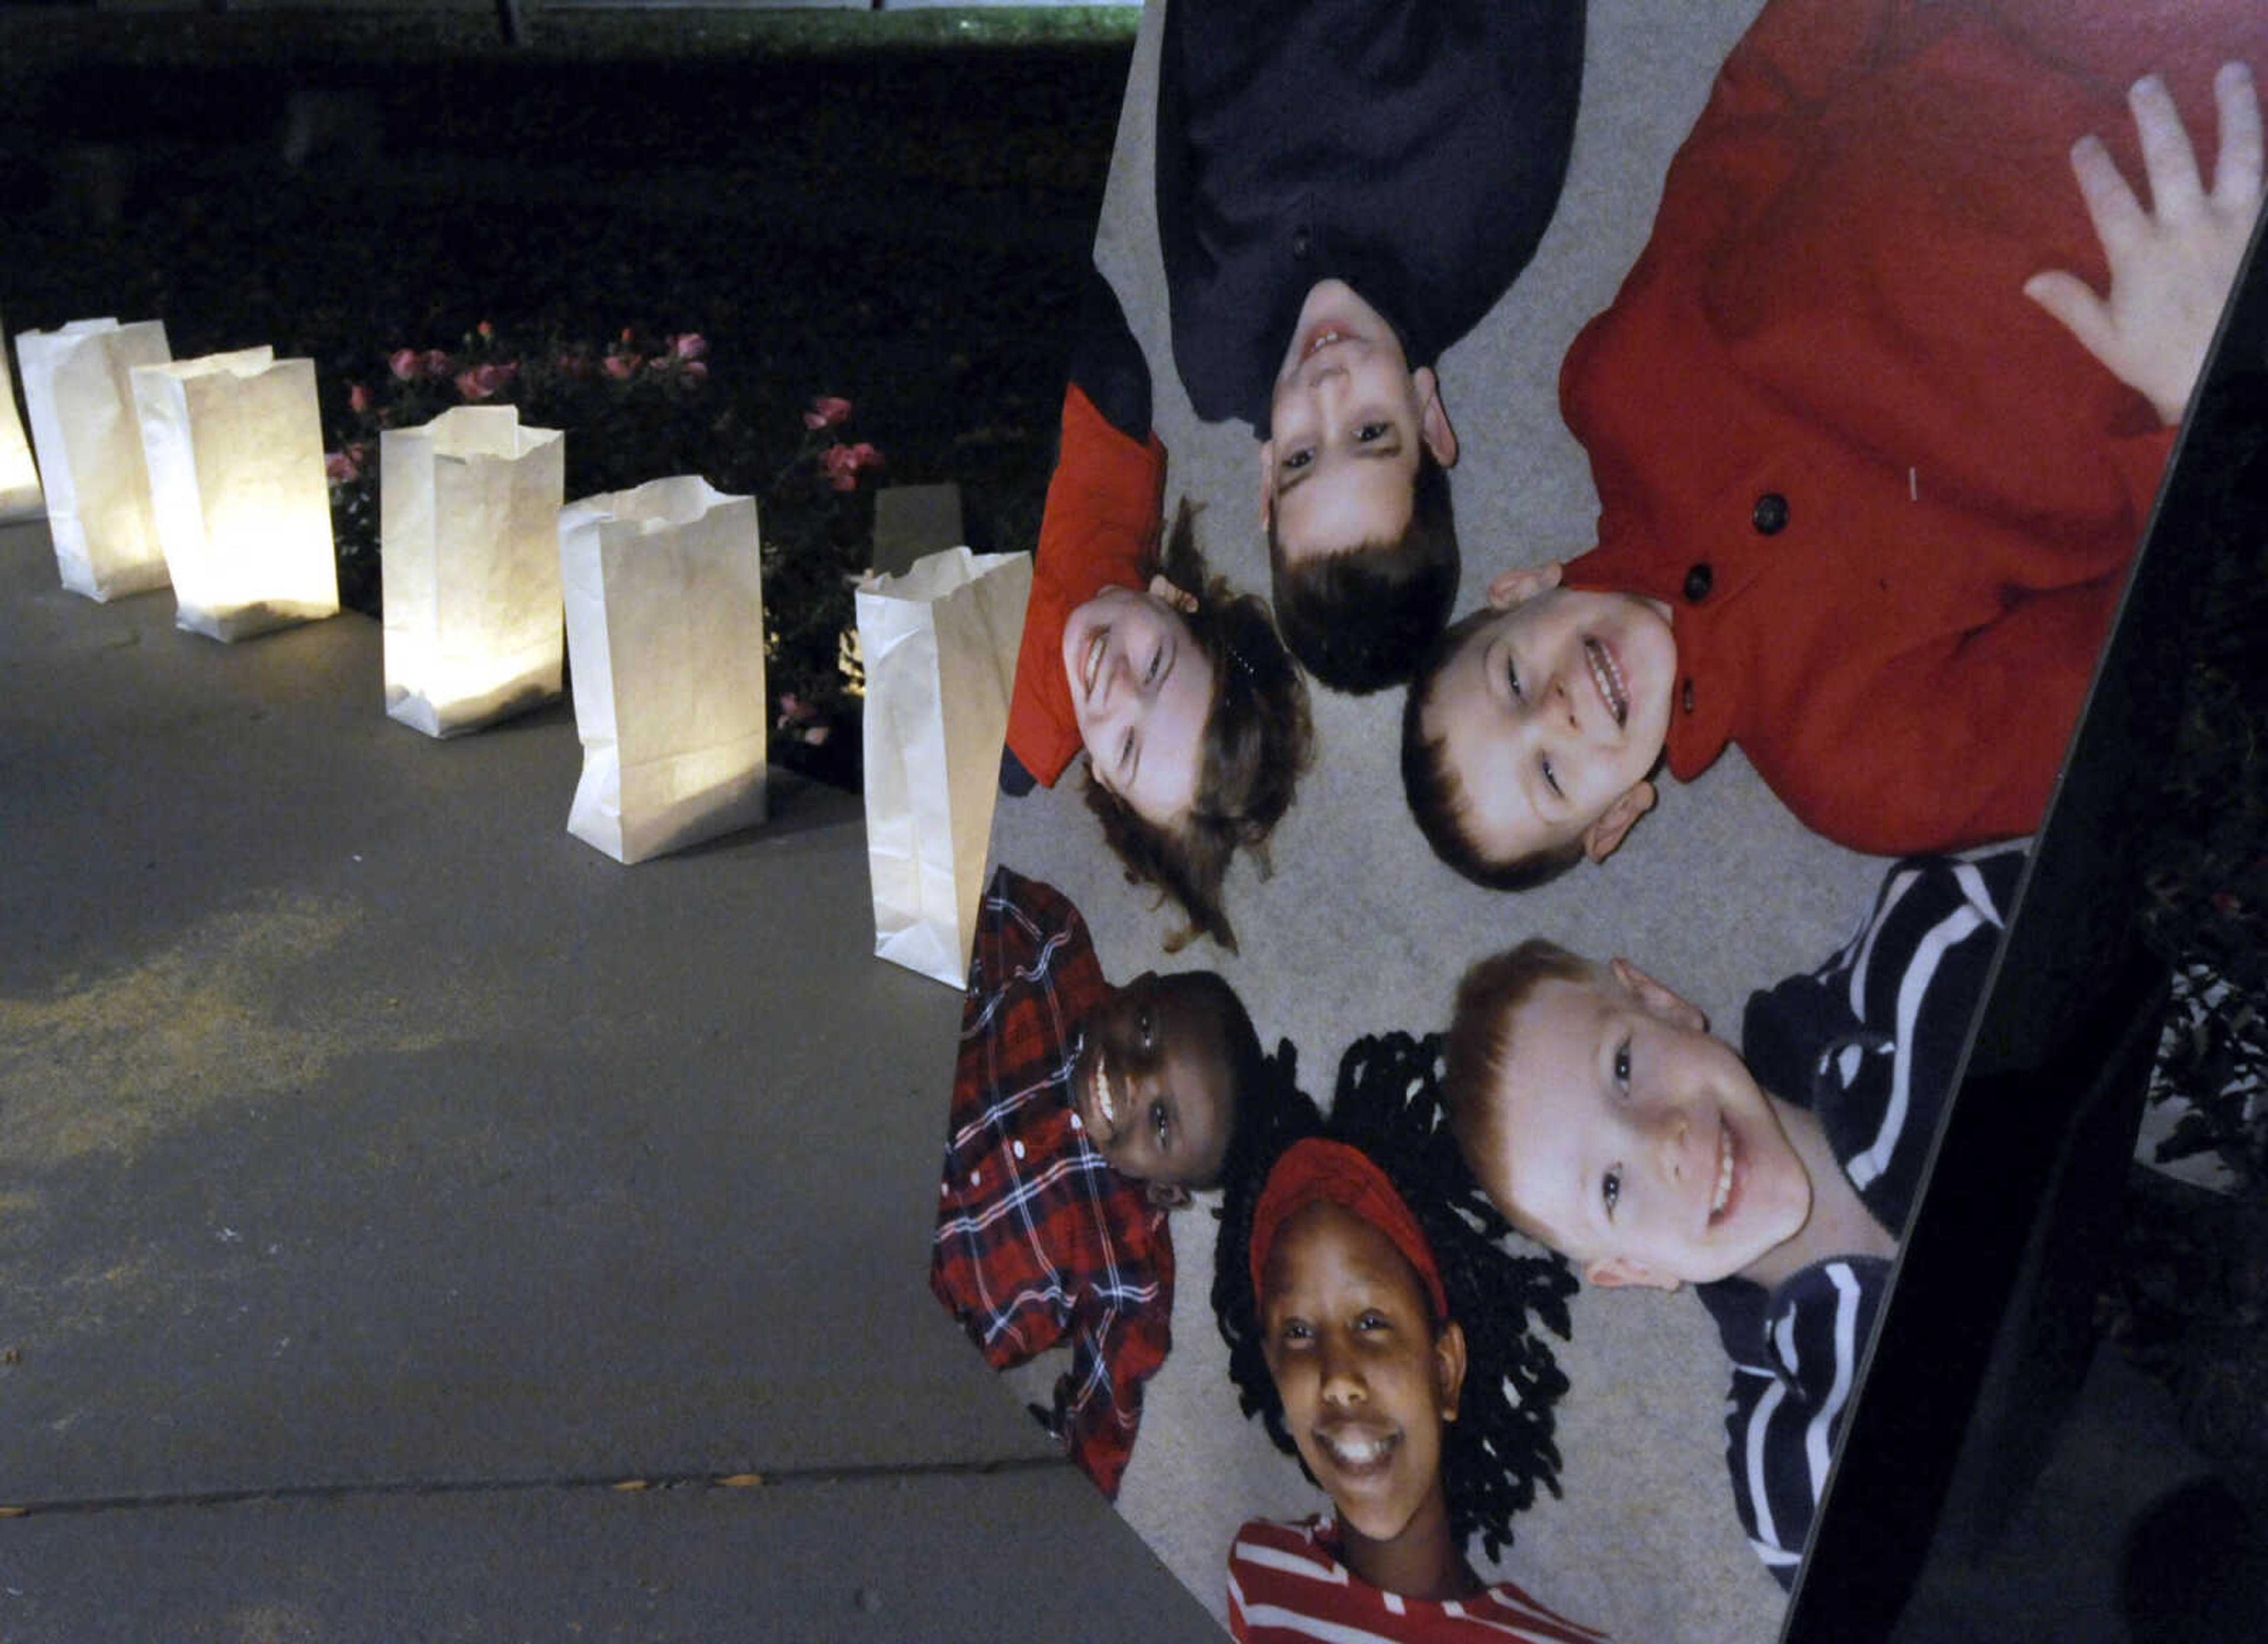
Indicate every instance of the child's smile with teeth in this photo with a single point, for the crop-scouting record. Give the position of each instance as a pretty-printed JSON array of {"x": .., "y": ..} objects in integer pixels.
[
  {"x": 1360, "y": 1449},
  {"x": 1607, "y": 675},
  {"x": 1366, "y": 1374},
  {"x": 1151, "y": 1084},
  {"x": 1105, "y": 1108},
  {"x": 1620, "y": 1114}
]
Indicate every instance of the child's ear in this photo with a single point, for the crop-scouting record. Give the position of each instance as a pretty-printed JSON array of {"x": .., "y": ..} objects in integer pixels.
[
  {"x": 1267, "y": 482},
  {"x": 1657, "y": 999},
  {"x": 1601, "y": 838},
  {"x": 1616, "y": 1273},
  {"x": 1168, "y": 1195},
  {"x": 1433, "y": 418},
  {"x": 1173, "y": 593},
  {"x": 1518, "y": 587},
  {"x": 1449, "y": 1368}
]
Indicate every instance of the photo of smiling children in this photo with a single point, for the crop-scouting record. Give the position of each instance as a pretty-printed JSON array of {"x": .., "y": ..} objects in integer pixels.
[
  {"x": 1359, "y": 921},
  {"x": 1081, "y": 1115},
  {"x": 1344, "y": 187},
  {"x": 1394, "y": 1347},
  {"x": 1873, "y": 455},
  {"x": 1603, "y": 1120},
  {"x": 1192, "y": 717}
]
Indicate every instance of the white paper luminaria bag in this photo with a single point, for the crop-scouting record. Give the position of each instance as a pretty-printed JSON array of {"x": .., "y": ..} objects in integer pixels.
[
  {"x": 81, "y": 407},
  {"x": 235, "y": 449},
  {"x": 19, "y": 479},
  {"x": 939, "y": 646},
  {"x": 665, "y": 644},
  {"x": 468, "y": 533}
]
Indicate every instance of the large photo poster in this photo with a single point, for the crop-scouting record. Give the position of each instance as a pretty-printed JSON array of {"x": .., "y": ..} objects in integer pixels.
[{"x": 1580, "y": 541}]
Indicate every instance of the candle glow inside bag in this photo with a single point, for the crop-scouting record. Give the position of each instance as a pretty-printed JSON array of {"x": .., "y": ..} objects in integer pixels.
[
  {"x": 19, "y": 477},
  {"x": 468, "y": 521},
  {"x": 80, "y": 404},
  {"x": 235, "y": 452}
]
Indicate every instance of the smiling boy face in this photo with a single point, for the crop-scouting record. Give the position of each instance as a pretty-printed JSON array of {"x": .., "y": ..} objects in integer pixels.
[
  {"x": 1345, "y": 425},
  {"x": 1141, "y": 688},
  {"x": 1365, "y": 1383},
  {"x": 1152, "y": 1087},
  {"x": 1550, "y": 714},
  {"x": 1628, "y": 1138}
]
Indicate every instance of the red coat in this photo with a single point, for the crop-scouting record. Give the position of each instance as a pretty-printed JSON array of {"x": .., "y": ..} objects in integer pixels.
[
  {"x": 1106, "y": 503},
  {"x": 1889, "y": 500}
]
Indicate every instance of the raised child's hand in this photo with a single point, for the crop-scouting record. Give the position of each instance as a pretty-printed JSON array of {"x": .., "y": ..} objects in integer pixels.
[{"x": 2171, "y": 267}]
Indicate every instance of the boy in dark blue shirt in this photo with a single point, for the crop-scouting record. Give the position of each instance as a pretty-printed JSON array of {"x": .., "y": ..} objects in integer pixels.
[{"x": 1344, "y": 189}]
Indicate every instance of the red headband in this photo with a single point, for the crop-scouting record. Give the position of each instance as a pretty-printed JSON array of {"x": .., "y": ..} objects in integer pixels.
[{"x": 1318, "y": 1170}]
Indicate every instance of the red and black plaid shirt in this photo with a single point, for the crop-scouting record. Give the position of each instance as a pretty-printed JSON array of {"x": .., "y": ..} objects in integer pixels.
[{"x": 1038, "y": 1239}]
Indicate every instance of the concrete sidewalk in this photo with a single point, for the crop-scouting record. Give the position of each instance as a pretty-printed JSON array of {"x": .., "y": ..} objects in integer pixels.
[{"x": 387, "y": 1178}]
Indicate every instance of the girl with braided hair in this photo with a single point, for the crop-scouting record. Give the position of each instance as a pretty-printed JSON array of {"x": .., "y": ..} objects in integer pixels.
[{"x": 1377, "y": 1325}]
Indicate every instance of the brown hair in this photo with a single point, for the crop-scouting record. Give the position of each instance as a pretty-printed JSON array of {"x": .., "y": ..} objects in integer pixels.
[
  {"x": 1257, "y": 740},
  {"x": 1437, "y": 793},
  {"x": 1362, "y": 618},
  {"x": 1480, "y": 1037}
]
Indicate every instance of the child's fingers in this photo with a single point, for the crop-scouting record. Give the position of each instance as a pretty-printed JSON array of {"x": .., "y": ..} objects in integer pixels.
[
  {"x": 2236, "y": 173},
  {"x": 2075, "y": 305},
  {"x": 2119, "y": 221},
  {"x": 2174, "y": 190}
]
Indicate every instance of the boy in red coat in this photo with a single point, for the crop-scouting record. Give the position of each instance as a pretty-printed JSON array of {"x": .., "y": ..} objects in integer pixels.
[{"x": 1868, "y": 493}]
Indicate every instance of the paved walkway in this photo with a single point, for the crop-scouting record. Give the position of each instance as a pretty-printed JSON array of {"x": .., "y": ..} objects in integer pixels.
[{"x": 390, "y": 1182}]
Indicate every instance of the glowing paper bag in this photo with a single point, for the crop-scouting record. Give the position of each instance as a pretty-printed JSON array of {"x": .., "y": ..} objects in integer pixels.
[
  {"x": 940, "y": 647},
  {"x": 19, "y": 480},
  {"x": 235, "y": 449},
  {"x": 81, "y": 407},
  {"x": 469, "y": 534},
  {"x": 666, "y": 639}
]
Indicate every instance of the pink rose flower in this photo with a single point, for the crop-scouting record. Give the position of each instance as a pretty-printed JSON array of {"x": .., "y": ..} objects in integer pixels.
[
  {"x": 487, "y": 331},
  {"x": 433, "y": 363},
  {"x": 622, "y": 367},
  {"x": 698, "y": 370},
  {"x": 845, "y": 463},
  {"x": 485, "y": 382},
  {"x": 691, "y": 346},
  {"x": 339, "y": 467},
  {"x": 358, "y": 398},
  {"x": 827, "y": 411},
  {"x": 404, "y": 363}
]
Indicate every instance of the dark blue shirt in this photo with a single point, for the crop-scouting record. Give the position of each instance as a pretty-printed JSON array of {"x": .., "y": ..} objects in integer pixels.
[
  {"x": 1869, "y": 1042},
  {"x": 1412, "y": 148}
]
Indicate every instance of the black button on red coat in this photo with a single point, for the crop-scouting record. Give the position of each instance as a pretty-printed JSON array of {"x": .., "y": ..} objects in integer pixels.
[
  {"x": 1697, "y": 584},
  {"x": 1770, "y": 515}
]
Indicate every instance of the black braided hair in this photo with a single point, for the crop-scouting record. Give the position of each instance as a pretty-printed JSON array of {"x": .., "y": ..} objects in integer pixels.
[{"x": 1388, "y": 1104}]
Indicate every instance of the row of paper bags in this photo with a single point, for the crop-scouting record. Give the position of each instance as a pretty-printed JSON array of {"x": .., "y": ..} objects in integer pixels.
[
  {"x": 156, "y": 470},
  {"x": 206, "y": 474}
]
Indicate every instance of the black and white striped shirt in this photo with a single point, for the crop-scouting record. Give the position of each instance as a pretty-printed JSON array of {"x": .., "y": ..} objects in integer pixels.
[{"x": 1869, "y": 1042}]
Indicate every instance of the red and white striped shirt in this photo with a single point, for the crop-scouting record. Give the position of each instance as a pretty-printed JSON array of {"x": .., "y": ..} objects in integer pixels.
[{"x": 1285, "y": 1582}]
